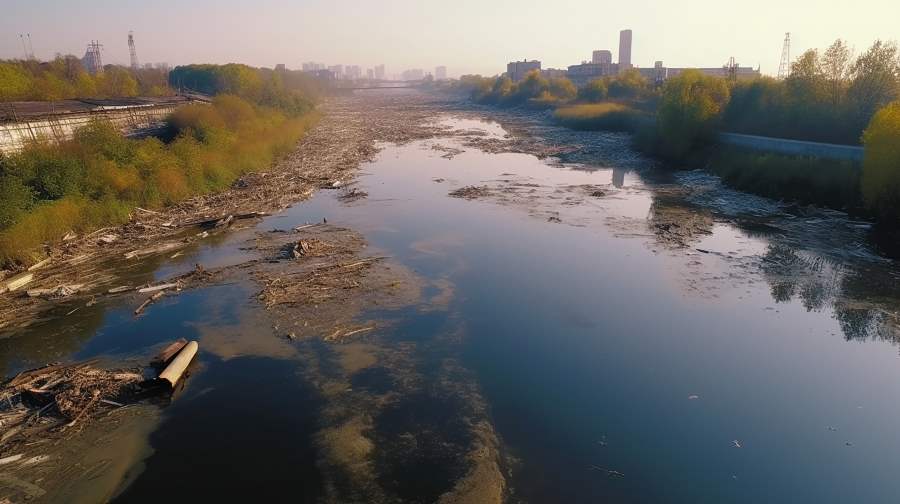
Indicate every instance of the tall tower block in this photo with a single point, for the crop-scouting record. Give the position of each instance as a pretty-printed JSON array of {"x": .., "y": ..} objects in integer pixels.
[{"x": 624, "y": 50}]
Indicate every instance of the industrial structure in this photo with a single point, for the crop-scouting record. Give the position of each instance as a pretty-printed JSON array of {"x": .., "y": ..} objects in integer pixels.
[
  {"x": 784, "y": 68},
  {"x": 92, "y": 61},
  {"x": 601, "y": 65},
  {"x": 27, "y": 48},
  {"x": 134, "y": 59}
]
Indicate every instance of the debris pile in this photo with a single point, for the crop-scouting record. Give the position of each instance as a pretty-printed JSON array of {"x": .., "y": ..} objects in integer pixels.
[
  {"x": 471, "y": 192},
  {"x": 48, "y": 400}
]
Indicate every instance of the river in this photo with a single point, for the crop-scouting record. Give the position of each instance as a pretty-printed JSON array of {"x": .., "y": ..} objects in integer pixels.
[{"x": 599, "y": 329}]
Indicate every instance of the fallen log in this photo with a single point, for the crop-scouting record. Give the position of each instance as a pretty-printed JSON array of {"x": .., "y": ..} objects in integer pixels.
[
  {"x": 163, "y": 358},
  {"x": 155, "y": 288},
  {"x": 173, "y": 372},
  {"x": 148, "y": 302},
  {"x": 16, "y": 282},
  {"x": 157, "y": 249},
  {"x": 220, "y": 221}
]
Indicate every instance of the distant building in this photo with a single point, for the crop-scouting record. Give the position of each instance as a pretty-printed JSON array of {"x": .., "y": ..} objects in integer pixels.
[
  {"x": 517, "y": 70},
  {"x": 550, "y": 73},
  {"x": 353, "y": 72},
  {"x": 337, "y": 70},
  {"x": 370, "y": 73},
  {"x": 586, "y": 72},
  {"x": 440, "y": 73},
  {"x": 280, "y": 67},
  {"x": 379, "y": 72},
  {"x": 324, "y": 74},
  {"x": 312, "y": 66},
  {"x": 660, "y": 73},
  {"x": 602, "y": 57},
  {"x": 413, "y": 74},
  {"x": 624, "y": 50}
]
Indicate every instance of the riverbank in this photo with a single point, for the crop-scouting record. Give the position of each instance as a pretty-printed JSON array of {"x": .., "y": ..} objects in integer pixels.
[{"x": 455, "y": 323}]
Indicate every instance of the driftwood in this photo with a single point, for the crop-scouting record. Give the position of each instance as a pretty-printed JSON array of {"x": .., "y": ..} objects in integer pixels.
[
  {"x": 148, "y": 302},
  {"x": 223, "y": 220},
  {"x": 155, "y": 288},
  {"x": 16, "y": 282},
  {"x": 156, "y": 249},
  {"x": 163, "y": 358}
]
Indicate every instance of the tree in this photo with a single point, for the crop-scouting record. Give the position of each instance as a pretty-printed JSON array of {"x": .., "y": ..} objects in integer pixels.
[
  {"x": 15, "y": 83},
  {"x": 691, "y": 106},
  {"x": 562, "y": 88},
  {"x": 630, "y": 84},
  {"x": 881, "y": 164},
  {"x": 595, "y": 91},
  {"x": 836, "y": 67},
  {"x": 876, "y": 79}
]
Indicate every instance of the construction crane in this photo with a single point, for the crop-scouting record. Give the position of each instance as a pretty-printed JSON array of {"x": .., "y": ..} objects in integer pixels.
[
  {"x": 133, "y": 51},
  {"x": 784, "y": 69}
]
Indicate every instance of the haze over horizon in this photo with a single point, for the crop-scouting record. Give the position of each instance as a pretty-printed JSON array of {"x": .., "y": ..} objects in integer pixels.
[{"x": 466, "y": 36}]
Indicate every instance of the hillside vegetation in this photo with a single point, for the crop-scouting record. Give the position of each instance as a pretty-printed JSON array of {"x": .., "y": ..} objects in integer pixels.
[{"x": 97, "y": 179}]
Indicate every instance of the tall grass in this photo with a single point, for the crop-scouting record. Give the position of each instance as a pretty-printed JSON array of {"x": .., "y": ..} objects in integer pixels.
[
  {"x": 830, "y": 183},
  {"x": 598, "y": 116},
  {"x": 97, "y": 178}
]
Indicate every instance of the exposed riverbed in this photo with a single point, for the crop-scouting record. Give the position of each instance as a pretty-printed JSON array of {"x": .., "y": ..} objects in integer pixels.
[{"x": 541, "y": 316}]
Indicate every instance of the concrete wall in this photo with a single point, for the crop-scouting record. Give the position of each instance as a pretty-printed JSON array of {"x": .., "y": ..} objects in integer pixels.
[
  {"x": 793, "y": 147},
  {"x": 131, "y": 120}
]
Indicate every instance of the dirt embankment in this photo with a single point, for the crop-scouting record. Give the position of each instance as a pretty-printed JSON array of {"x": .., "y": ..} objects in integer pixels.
[{"x": 84, "y": 267}]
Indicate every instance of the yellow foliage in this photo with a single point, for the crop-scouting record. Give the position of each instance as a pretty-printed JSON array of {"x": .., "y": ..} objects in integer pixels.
[{"x": 881, "y": 165}]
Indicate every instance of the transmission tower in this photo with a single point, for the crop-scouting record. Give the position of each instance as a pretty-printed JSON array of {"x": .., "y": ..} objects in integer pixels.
[
  {"x": 92, "y": 60},
  {"x": 30, "y": 47},
  {"x": 731, "y": 69},
  {"x": 133, "y": 51},
  {"x": 26, "y": 44},
  {"x": 784, "y": 69}
]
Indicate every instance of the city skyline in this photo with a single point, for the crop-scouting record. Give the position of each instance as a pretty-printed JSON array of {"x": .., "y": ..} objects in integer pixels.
[{"x": 409, "y": 36}]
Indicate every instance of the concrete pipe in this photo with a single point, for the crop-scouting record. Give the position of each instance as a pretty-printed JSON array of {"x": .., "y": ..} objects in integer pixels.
[{"x": 172, "y": 373}]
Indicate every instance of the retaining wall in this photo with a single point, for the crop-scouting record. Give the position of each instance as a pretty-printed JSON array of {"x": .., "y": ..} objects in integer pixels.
[{"x": 793, "y": 147}]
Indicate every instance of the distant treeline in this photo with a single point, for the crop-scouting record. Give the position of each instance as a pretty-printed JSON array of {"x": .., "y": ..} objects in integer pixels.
[
  {"x": 99, "y": 177},
  {"x": 830, "y": 96},
  {"x": 65, "y": 77},
  {"x": 290, "y": 90}
]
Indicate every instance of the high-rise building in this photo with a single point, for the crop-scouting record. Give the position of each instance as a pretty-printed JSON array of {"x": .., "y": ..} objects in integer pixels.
[
  {"x": 440, "y": 73},
  {"x": 602, "y": 57},
  {"x": 337, "y": 70},
  {"x": 370, "y": 73},
  {"x": 516, "y": 70},
  {"x": 624, "y": 50},
  {"x": 379, "y": 72}
]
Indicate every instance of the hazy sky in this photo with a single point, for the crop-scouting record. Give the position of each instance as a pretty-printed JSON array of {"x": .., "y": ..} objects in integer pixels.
[{"x": 468, "y": 36}]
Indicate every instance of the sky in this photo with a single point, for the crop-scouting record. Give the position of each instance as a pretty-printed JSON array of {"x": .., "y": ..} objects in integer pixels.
[{"x": 467, "y": 36}]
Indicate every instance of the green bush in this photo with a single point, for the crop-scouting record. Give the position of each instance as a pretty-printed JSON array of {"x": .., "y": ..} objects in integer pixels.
[
  {"x": 96, "y": 179},
  {"x": 881, "y": 164},
  {"x": 689, "y": 111},
  {"x": 830, "y": 183}
]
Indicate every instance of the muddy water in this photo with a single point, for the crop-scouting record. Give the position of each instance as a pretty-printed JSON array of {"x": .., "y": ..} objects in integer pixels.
[{"x": 628, "y": 336}]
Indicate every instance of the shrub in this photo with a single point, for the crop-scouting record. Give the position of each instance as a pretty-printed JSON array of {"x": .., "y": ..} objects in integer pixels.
[
  {"x": 597, "y": 116},
  {"x": 881, "y": 165},
  {"x": 688, "y": 114}
]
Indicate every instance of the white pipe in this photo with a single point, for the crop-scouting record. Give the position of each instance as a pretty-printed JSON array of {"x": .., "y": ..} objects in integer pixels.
[{"x": 176, "y": 368}]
